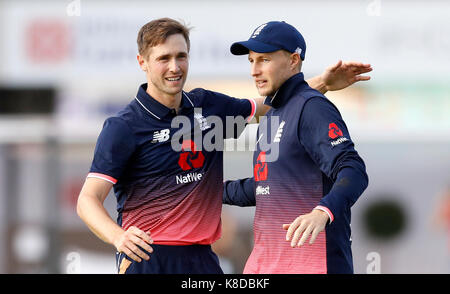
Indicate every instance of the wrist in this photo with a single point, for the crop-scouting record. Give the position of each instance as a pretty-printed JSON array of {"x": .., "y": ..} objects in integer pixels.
[
  {"x": 326, "y": 211},
  {"x": 116, "y": 235},
  {"x": 319, "y": 84}
]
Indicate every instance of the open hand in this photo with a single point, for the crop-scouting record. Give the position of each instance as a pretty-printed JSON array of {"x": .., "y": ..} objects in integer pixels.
[
  {"x": 344, "y": 74},
  {"x": 129, "y": 241},
  {"x": 304, "y": 225}
]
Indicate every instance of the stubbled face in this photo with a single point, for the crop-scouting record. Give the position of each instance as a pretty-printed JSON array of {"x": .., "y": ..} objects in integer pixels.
[
  {"x": 166, "y": 66},
  {"x": 270, "y": 70}
]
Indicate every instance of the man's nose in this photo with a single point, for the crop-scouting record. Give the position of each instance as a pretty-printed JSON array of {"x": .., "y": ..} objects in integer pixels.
[
  {"x": 254, "y": 70},
  {"x": 173, "y": 65}
]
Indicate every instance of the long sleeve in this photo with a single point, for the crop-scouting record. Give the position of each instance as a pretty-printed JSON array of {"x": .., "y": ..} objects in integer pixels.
[
  {"x": 325, "y": 136},
  {"x": 239, "y": 192}
]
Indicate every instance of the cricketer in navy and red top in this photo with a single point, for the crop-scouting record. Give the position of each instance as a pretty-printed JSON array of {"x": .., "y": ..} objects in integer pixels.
[
  {"x": 317, "y": 168},
  {"x": 172, "y": 194}
]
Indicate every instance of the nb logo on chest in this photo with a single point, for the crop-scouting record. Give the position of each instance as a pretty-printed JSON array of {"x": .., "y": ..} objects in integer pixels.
[{"x": 161, "y": 136}]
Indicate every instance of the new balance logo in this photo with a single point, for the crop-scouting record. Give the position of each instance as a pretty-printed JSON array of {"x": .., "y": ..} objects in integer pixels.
[
  {"x": 279, "y": 132},
  {"x": 263, "y": 190},
  {"x": 161, "y": 136}
]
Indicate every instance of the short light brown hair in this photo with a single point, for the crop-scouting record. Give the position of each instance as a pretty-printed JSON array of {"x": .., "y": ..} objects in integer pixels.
[{"x": 157, "y": 31}]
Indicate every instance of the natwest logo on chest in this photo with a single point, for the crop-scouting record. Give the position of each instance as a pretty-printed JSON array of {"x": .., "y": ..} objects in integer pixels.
[
  {"x": 191, "y": 157},
  {"x": 260, "y": 168},
  {"x": 260, "y": 190},
  {"x": 189, "y": 178}
]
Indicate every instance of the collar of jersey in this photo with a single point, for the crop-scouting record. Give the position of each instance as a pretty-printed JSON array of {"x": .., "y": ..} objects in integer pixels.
[
  {"x": 286, "y": 91},
  {"x": 155, "y": 108}
]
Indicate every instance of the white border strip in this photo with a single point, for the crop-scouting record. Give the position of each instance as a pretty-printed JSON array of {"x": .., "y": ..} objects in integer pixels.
[
  {"x": 254, "y": 106},
  {"x": 98, "y": 176},
  {"x": 323, "y": 208}
]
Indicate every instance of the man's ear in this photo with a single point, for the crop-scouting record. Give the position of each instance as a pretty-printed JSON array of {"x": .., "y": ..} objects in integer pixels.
[
  {"x": 296, "y": 62},
  {"x": 142, "y": 62}
]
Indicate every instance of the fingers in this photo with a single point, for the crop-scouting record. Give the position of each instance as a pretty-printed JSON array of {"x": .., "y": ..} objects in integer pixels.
[
  {"x": 356, "y": 64},
  {"x": 362, "y": 78},
  {"x": 305, "y": 235},
  {"x": 292, "y": 228},
  {"x": 336, "y": 66},
  {"x": 360, "y": 71},
  {"x": 295, "y": 230},
  {"x": 141, "y": 234},
  {"x": 133, "y": 242},
  {"x": 139, "y": 242},
  {"x": 130, "y": 254},
  {"x": 302, "y": 233},
  {"x": 358, "y": 79},
  {"x": 298, "y": 233},
  {"x": 136, "y": 251},
  {"x": 304, "y": 226},
  {"x": 356, "y": 68},
  {"x": 314, "y": 235}
]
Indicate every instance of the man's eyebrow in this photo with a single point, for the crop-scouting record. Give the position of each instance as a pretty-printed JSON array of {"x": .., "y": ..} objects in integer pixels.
[
  {"x": 164, "y": 56},
  {"x": 259, "y": 57},
  {"x": 168, "y": 55}
]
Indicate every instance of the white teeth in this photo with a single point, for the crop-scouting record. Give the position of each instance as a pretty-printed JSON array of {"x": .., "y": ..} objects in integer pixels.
[{"x": 174, "y": 79}]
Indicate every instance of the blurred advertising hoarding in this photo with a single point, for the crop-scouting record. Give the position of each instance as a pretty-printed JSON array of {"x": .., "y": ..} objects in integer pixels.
[
  {"x": 58, "y": 40},
  {"x": 87, "y": 50}
]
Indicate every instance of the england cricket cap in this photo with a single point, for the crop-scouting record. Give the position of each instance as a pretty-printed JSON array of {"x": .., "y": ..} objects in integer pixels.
[{"x": 270, "y": 37}]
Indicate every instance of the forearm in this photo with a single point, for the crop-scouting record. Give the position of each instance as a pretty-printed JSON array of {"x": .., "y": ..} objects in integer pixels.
[
  {"x": 350, "y": 184},
  {"x": 239, "y": 192},
  {"x": 261, "y": 108},
  {"x": 95, "y": 216},
  {"x": 318, "y": 84}
]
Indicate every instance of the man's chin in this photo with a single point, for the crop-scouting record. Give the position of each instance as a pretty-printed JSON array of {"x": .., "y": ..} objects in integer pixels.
[
  {"x": 265, "y": 93},
  {"x": 174, "y": 90}
]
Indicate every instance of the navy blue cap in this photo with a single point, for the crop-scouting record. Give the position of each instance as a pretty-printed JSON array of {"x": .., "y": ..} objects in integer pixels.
[{"x": 270, "y": 37}]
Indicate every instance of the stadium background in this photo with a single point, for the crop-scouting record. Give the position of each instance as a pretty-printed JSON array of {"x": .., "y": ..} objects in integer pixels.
[{"x": 67, "y": 65}]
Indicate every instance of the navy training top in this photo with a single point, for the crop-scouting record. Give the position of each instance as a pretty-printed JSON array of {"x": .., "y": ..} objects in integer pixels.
[
  {"x": 172, "y": 193},
  {"x": 304, "y": 159}
]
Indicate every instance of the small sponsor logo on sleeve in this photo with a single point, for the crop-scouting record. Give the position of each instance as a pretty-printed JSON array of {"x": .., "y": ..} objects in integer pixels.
[{"x": 334, "y": 132}]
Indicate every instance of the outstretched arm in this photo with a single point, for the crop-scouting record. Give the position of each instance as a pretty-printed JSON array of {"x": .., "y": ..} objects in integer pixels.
[
  {"x": 335, "y": 77},
  {"x": 239, "y": 192},
  {"x": 340, "y": 76}
]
